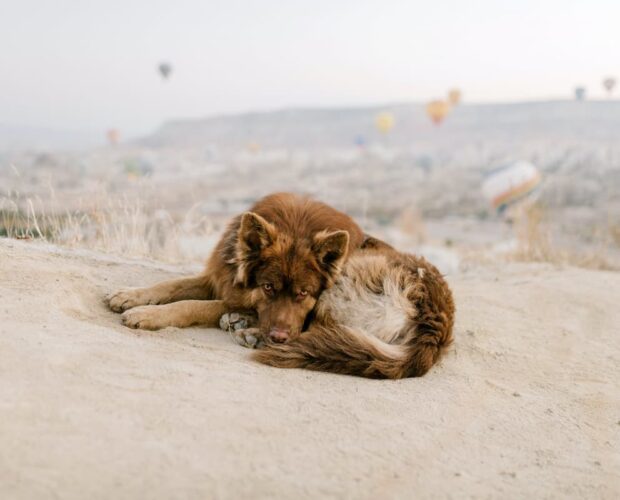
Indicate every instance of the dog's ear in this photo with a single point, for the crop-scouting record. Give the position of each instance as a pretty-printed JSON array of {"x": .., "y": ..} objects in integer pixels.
[
  {"x": 331, "y": 250},
  {"x": 254, "y": 234}
]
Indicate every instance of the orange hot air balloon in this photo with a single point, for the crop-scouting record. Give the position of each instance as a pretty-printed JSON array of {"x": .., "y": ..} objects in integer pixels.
[
  {"x": 113, "y": 136},
  {"x": 454, "y": 97},
  {"x": 437, "y": 111},
  {"x": 384, "y": 122}
]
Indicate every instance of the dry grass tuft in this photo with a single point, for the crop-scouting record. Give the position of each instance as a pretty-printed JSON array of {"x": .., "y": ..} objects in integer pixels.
[
  {"x": 535, "y": 243},
  {"x": 614, "y": 233},
  {"x": 123, "y": 226},
  {"x": 534, "y": 236}
]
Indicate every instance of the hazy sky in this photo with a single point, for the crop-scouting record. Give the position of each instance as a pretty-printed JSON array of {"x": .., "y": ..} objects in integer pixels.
[{"x": 78, "y": 64}]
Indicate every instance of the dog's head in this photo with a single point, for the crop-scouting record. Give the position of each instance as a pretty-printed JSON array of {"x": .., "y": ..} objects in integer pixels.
[{"x": 286, "y": 275}]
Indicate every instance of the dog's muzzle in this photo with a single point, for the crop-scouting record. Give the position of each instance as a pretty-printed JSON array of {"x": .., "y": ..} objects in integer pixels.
[{"x": 279, "y": 335}]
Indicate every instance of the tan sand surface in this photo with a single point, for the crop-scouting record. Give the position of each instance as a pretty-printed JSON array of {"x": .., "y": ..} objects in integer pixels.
[{"x": 525, "y": 404}]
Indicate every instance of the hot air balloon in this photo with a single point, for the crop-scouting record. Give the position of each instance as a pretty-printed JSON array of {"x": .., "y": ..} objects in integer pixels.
[
  {"x": 507, "y": 185},
  {"x": 609, "y": 84},
  {"x": 437, "y": 111},
  {"x": 454, "y": 97},
  {"x": 580, "y": 93},
  {"x": 165, "y": 69},
  {"x": 384, "y": 122},
  {"x": 113, "y": 136}
]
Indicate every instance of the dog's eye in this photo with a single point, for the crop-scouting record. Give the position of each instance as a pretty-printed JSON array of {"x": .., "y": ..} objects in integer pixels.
[
  {"x": 302, "y": 294},
  {"x": 268, "y": 287}
]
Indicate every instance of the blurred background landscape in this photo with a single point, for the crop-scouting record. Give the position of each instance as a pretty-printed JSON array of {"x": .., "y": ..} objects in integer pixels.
[{"x": 464, "y": 133}]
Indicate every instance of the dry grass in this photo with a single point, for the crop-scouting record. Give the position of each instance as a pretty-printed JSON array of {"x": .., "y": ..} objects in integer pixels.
[
  {"x": 534, "y": 236},
  {"x": 614, "y": 233},
  {"x": 411, "y": 223},
  {"x": 129, "y": 226},
  {"x": 124, "y": 226},
  {"x": 535, "y": 243}
]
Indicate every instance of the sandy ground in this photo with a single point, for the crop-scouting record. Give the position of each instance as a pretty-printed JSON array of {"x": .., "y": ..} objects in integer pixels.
[{"x": 525, "y": 404}]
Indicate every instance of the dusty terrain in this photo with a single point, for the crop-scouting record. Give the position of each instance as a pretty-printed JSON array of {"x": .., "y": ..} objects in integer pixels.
[{"x": 524, "y": 404}]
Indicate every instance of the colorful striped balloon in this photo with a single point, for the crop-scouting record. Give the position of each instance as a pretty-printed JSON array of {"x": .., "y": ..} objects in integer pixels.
[{"x": 509, "y": 184}]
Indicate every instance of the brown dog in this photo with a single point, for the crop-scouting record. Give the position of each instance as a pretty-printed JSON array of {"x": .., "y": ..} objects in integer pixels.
[
  {"x": 274, "y": 260},
  {"x": 300, "y": 265}
]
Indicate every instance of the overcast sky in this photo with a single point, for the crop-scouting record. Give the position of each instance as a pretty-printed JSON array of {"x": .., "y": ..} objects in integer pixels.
[{"x": 79, "y": 64}]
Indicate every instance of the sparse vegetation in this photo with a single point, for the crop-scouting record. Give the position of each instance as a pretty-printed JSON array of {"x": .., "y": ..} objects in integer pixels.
[
  {"x": 535, "y": 242},
  {"x": 122, "y": 226},
  {"x": 175, "y": 204}
]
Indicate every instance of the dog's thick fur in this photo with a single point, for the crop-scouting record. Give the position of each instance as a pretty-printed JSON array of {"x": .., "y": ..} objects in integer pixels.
[
  {"x": 299, "y": 265},
  {"x": 389, "y": 315}
]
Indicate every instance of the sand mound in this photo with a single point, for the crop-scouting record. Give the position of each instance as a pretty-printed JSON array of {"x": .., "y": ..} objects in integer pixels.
[{"x": 526, "y": 402}]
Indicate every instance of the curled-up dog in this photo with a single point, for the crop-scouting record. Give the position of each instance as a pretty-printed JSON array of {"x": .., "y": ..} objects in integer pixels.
[
  {"x": 302, "y": 279},
  {"x": 388, "y": 315}
]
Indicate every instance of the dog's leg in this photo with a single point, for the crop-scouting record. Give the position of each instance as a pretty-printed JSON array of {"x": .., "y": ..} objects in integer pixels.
[
  {"x": 194, "y": 288},
  {"x": 180, "y": 314}
]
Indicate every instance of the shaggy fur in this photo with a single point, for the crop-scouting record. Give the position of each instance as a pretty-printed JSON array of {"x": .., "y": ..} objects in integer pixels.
[
  {"x": 389, "y": 315},
  {"x": 300, "y": 265}
]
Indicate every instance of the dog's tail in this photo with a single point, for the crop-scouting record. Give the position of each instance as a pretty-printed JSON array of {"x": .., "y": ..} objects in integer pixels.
[{"x": 339, "y": 349}]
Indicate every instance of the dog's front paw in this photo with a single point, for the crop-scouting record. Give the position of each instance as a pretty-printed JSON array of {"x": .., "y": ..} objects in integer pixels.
[
  {"x": 127, "y": 298},
  {"x": 146, "y": 318},
  {"x": 242, "y": 330},
  {"x": 248, "y": 337},
  {"x": 237, "y": 321}
]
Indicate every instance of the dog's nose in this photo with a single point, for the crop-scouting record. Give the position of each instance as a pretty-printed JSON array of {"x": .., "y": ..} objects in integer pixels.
[{"x": 278, "y": 334}]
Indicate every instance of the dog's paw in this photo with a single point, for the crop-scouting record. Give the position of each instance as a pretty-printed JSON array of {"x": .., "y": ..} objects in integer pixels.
[
  {"x": 248, "y": 337},
  {"x": 232, "y": 322},
  {"x": 241, "y": 327},
  {"x": 145, "y": 318},
  {"x": 127, "y": 298}
]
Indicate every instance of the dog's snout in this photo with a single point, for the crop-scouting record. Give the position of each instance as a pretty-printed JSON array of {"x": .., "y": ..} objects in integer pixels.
[{"x": 279, "y": 334}]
